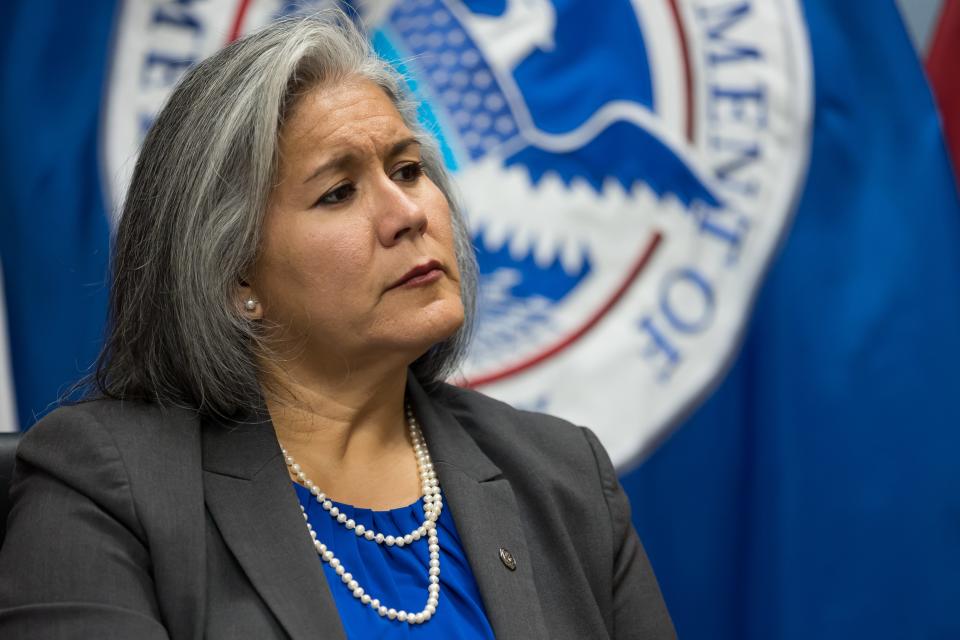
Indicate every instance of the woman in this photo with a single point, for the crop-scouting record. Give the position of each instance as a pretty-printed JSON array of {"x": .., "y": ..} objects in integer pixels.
[{"x": 274, "y": 453}]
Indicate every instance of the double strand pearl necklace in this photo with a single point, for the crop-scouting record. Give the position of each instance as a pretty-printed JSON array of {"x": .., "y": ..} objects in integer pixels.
[{"x": 432, "y": 506}]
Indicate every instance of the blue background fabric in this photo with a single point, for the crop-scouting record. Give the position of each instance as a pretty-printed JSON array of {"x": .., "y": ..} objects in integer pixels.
[
  {"x": 398, "y": 576},
  {"x": 816, "y": 492},
  {"x": 54, "y": 229}
]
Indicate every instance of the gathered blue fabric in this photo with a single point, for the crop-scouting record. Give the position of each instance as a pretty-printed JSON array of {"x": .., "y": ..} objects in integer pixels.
[{"x": 398, "y": 576}]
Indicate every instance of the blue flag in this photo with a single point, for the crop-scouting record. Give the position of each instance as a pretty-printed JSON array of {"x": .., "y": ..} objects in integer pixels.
[
  {"x": 54, "y": 237},
  {"x": 722, "y": 233},
  {"x": 816, "y": 493}
]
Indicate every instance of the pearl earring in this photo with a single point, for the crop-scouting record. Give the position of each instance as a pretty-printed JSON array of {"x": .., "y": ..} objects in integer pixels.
[{"x": 250, "y": 304}]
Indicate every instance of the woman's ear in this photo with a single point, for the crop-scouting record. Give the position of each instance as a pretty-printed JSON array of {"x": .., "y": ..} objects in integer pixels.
[{"x": 247, "y": 301}]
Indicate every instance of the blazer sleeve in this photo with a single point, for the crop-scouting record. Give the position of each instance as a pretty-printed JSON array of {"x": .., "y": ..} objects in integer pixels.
[
  {"x": 639, "y": 611},
  {"x": 75, "y": 562}
]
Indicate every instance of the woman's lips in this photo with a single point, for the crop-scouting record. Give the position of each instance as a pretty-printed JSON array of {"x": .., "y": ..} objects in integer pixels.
[
  {"x": 425, "y": 278},
  {"x": 420, "y": 275}
]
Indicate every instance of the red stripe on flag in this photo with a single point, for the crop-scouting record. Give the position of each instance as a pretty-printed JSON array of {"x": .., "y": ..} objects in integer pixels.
[
  {"x": 236, "y": 28},
  {"x": 943, "y": 69}
]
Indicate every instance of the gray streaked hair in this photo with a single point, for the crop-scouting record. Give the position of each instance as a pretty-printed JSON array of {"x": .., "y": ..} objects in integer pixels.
[{"x": 190, "y": 226}]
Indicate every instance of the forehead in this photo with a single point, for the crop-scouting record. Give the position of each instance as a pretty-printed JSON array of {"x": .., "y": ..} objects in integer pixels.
[{"x": 355, "y": 112}]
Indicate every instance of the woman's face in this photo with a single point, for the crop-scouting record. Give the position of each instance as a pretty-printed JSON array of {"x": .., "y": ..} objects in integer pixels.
[{"x": 357, "y": 261}]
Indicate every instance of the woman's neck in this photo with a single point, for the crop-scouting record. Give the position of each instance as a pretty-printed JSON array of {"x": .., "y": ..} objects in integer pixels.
[{"x": 348, "y": 435}]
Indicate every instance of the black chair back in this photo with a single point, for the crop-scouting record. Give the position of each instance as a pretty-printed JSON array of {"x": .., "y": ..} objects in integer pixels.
[{"x": 8, "y": 452}]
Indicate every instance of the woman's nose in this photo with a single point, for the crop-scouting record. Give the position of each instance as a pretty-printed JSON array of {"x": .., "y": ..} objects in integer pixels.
[{"x": 399, "y": 213}]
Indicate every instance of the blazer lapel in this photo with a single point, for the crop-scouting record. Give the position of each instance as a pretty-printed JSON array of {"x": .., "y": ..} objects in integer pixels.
[
  {"x": 248, "y": 493},
  {"x": 487, "y": 518}
]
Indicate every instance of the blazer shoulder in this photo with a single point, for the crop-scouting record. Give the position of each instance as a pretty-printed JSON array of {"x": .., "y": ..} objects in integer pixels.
[
  {"x": 124, "y": 480},
  {"x": 521, "y": 439},
  {"x": 75, "y": 441},
  {"x": 114, "y": 416},
  {"x": 75, "y": 429},
  {"x": 140, "y": 423},
  {"x": 476, "y": 410}
]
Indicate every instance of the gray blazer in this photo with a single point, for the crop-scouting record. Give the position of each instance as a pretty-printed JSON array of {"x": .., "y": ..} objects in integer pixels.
[{"x": 132, "y": 521}]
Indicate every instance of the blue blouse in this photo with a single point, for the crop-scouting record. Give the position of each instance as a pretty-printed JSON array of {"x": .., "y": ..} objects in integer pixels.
[{"x": 398, "y": 576}]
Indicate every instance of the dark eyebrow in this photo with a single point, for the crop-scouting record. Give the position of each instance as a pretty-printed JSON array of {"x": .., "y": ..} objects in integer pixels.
[
  {"x": 348, "y": 158},
  {"x": 402, "y": 145}
]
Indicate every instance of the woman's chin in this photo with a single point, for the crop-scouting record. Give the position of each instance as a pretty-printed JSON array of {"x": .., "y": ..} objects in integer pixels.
[
  {"x": 442, "y": 321},
  {"x": 431, "y": 325}
]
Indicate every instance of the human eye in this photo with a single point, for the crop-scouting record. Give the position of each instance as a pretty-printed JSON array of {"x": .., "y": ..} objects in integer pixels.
[
  {"x": 409, "y": 172},
  {"x": 338, "y": 194}
]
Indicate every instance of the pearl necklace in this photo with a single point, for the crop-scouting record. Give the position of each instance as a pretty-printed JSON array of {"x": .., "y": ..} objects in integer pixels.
[{"x": 432, "y": 506}]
